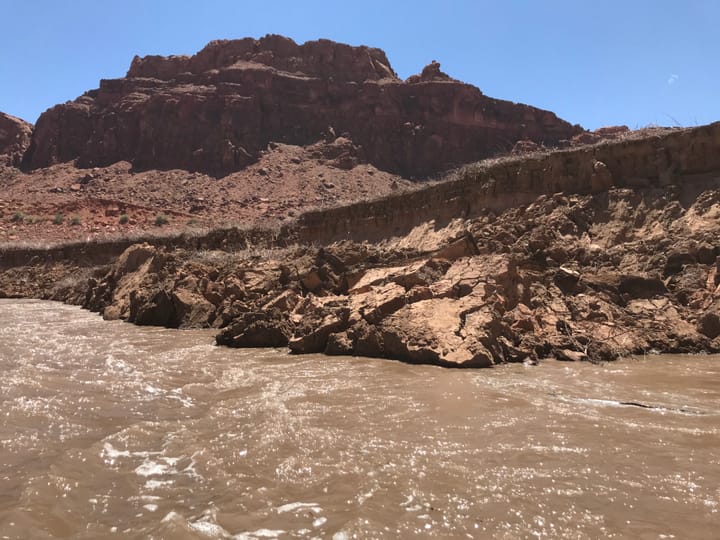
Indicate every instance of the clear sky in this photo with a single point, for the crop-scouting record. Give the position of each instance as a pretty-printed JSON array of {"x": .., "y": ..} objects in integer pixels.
[{"x": 602, "y": 62}]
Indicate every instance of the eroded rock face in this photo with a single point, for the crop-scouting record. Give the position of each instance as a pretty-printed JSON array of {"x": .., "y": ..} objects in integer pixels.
[
  {"x": 215, "y": 111},
  {"x": 588, "y": 272},
  {"x": 14, "y": 139},
  {"x": 577, "y": 277}
]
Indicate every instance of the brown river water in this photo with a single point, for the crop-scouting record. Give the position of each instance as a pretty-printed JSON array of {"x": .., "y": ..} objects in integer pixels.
[{"x": 108, "y": 430}]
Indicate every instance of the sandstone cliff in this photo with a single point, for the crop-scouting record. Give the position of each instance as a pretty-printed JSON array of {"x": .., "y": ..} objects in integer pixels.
[
  {"x": 215, "y": 111},
  {"x": 14, "y": 139}
]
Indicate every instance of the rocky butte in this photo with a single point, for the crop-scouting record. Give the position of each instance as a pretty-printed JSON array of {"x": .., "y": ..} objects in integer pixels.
[
  {"x": 217, "y": 110},
  {"x": 603, "y": 246}
]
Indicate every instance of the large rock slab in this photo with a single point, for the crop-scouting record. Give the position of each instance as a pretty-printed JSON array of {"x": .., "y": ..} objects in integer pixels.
[{"x": 430, "y": 331}]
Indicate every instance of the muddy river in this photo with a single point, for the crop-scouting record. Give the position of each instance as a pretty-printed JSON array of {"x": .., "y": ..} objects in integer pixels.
[{"x": 108, "y": 430}]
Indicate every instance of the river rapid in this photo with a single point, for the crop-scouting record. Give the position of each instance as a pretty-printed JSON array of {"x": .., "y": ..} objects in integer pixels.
[{"x": 108, "y": 430}]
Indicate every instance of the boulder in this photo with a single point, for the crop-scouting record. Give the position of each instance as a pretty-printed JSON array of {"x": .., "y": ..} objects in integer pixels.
[
  {"x": 568, "y": 355},
  {"x": 132, "y": 289},
  {"x": 269, "y": 328},
  {"x": 313, "y": 338},
  {"x": 709, "y": 324},
  {"x": 612, "y": 132},
  {"x": 432, "y": 72},
  {"x": 462, "y": 247},
  {"x": 638, "y": 286},
  {"x": 421, "y": 273},
  {"x": 152, "y": 307},
  {"x": 474, "y": 273},
  {"x": 191, "y": 310},
  {"x": 430, "y": 331},
  {"x": 339, "y": 344},
  {"x": 601, "y": 178},
  {"x": 285, "y": 301},
  {"x": 132, "y": 259},
  {"x": 525, "y": 147},
  {"x": 379, "y": 302},
  {"x": 315, "y": 318},
  {"x": 679, "y": 258},
  {"x": 567, "y": 280}
]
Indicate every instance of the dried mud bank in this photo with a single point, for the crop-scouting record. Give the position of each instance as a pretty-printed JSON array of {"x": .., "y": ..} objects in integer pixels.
[
  {"x": 684, "y": 158},
  {"x": 105, "y": 251},
  {"x": 589, "y": 253}
]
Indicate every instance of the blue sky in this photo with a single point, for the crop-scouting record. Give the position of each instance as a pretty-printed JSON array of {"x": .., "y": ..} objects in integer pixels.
[{"x": 603, "y": 62}]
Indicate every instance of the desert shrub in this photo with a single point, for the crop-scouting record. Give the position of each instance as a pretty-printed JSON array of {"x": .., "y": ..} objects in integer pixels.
[
  {"x": 58, "y": 219},
  {"x": 75, "y": 220},
  {"x": 17, "y": 217},
  {"x": 161, "y": 220},
  {"x": 124, "y": 219}
]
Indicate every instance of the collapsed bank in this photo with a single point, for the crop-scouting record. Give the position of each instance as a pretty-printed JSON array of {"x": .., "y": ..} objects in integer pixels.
[{"x": 587, "y": 253}]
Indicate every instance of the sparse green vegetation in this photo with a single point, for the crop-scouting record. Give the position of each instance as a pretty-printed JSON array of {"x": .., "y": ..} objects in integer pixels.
[
  {"x": 161, "y": 220},
  {"x": 123, "y": 219},
  {"x": 58, "y": 219},
  {"x": 17, "y": 217},
  {"x": 75, "y": 221}
]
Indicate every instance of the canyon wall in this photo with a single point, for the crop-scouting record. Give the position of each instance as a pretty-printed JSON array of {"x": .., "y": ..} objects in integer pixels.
[{"x": 215, "y": 111}]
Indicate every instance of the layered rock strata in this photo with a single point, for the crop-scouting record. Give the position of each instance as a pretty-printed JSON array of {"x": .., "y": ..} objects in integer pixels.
[
  {"x": 685, "y": 160},
  {"x": 215, "y": 111}
]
